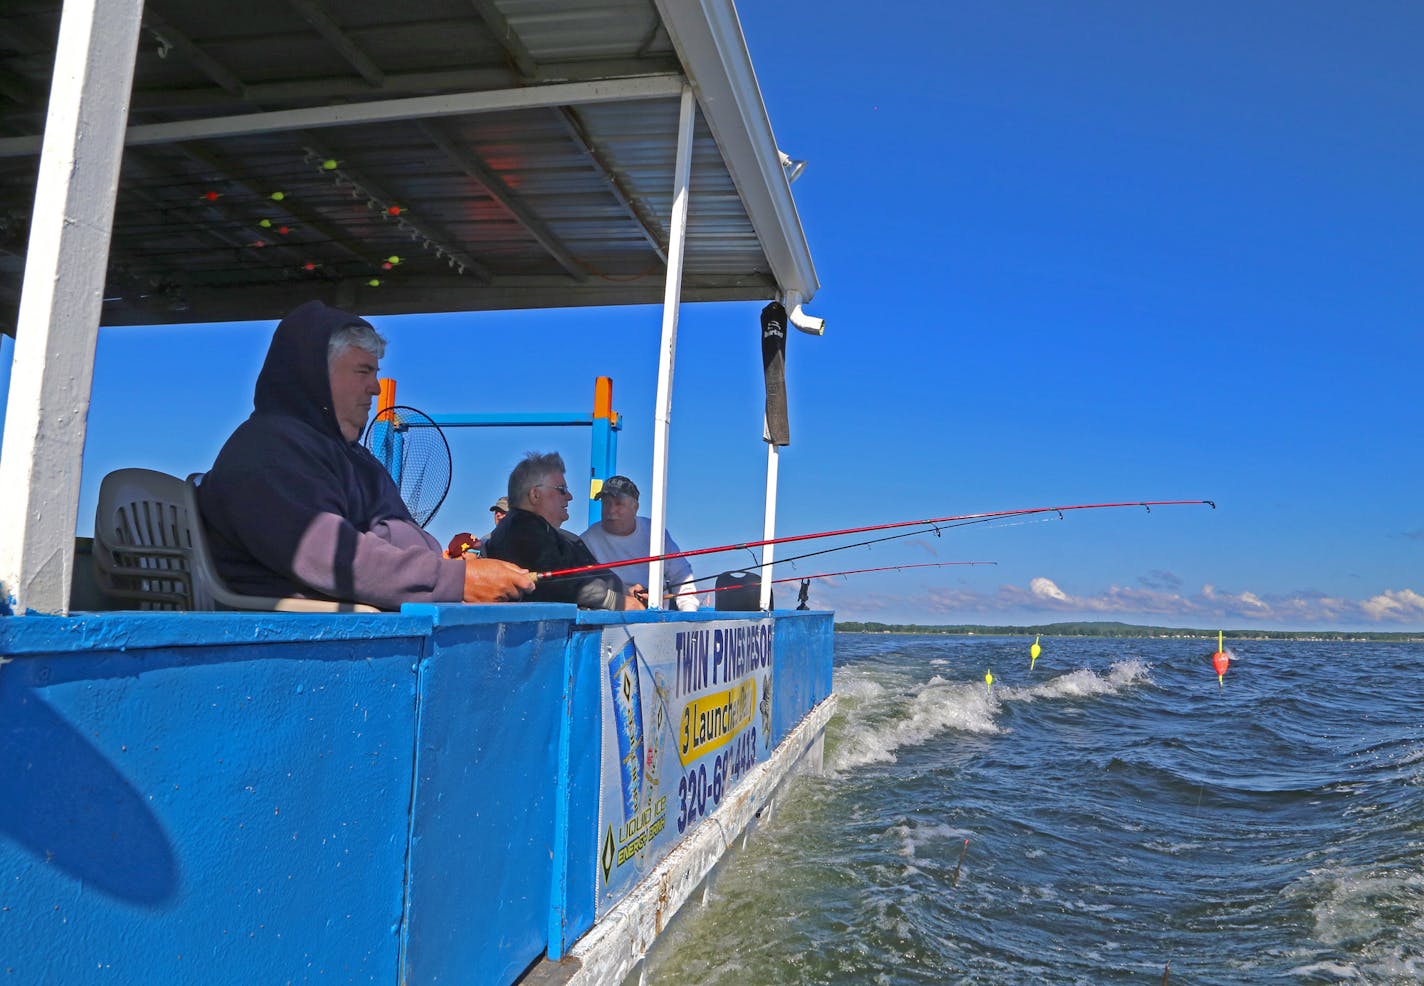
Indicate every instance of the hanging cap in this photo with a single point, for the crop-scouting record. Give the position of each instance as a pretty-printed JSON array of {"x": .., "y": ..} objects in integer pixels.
[
  {"x": 461, "y": 543},
  {"x": 618, "y": 486},
  {"x": 502, "y": 505}
]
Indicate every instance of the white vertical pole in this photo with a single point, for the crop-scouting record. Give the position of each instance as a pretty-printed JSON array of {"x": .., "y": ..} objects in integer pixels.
[
  {"x": 672, "y": 300},
  {"x": 773, "y": 464},
  {"x": 58, "y": 324},
  {"x": 768, "y": 530}
]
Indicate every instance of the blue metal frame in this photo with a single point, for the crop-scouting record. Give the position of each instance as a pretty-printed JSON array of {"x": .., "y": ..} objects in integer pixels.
[
  {"x": 603, "y": 459},
  {"x": 604, "y": 462},
  {"x": 552, "y": 419}
]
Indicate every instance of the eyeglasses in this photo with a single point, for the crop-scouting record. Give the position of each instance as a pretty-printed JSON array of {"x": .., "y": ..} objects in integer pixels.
[{"x": 562, "y": 489}]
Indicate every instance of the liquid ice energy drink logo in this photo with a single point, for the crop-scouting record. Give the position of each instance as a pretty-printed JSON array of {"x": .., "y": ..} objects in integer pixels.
[{"x": 628, "y": 720}]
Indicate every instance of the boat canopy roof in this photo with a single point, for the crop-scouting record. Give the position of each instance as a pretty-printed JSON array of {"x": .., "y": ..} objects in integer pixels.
[{"x": 439, "y": 155}]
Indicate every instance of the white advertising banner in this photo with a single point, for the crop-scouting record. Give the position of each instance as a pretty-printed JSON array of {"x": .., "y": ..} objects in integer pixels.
[{"x": 686, "y": 713}]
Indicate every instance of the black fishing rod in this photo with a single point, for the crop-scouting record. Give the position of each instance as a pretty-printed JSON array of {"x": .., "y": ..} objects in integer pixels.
[
  {"x": 826, "y": 575},
  {"x": 927, "y": 522}
]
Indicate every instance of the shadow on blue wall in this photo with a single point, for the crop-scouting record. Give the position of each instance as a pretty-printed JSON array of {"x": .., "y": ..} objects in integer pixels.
[{"x": 66, "y": 804}]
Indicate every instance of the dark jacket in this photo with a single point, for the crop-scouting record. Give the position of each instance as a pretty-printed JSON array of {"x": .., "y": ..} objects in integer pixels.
[
  {"x": 293, "y": 509},
  {"x": 528, "y": 540}
]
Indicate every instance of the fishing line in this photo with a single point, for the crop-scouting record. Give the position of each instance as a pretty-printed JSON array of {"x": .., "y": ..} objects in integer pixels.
[
  {"x": 844, "y": 547},
  {"x": 950, "y": 521},
  {"x": 826, "y": 575},
  {"x": 860, "y": 544}
]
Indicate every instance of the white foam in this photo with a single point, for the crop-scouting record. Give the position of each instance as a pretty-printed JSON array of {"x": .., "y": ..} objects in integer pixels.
[
  {"x": 1174, "y": 848},
  {"x": 1360, "y": 908},
  {"x": 1410, "y": 757},
  {"x": 873, "y": 733},
  {"x": 1325, "y": 970},
  {"x": 1349, "y": 908},
  {"x": 858, "y": 689},
  {"x": 884, "y": 712},
  {"x": 915, "y": 837},
  {"x": 1084, "y": 683}
]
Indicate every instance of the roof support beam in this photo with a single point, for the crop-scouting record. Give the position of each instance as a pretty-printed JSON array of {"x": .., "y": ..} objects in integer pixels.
[
  {"x": 667, "y": 352},
  {"x": 530, "y": 69},
  {"x": 383, "y": 111},
  {"x": 505, "y": 34},
  {"x": 493, "y": 184},
  {"x": 63, "y": 295},
  {"x": 412, "y": 83},
  {"x": 579, "y": 135},
  {"x": 314, "y": 13},
  {"x": 200, "y": 59}
]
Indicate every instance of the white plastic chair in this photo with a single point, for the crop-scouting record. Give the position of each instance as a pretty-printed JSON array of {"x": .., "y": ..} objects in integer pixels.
[{"x": 143, "y": 541}]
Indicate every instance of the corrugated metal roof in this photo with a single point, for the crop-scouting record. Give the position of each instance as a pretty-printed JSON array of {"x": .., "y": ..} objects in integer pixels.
[{"x": 547, "y": 206}]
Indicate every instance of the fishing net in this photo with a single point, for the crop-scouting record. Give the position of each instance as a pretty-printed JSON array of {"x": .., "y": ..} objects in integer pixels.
[{"x": 414, "y": 451}]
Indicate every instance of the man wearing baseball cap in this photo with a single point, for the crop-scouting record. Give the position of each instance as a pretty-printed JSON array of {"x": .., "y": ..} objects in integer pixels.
[
  {"x": 623, "y": 534},
  {"x": 499, "y": 509}
]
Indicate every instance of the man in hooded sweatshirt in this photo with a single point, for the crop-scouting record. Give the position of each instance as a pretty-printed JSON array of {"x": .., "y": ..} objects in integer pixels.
[{"x": 296, "y": 506}]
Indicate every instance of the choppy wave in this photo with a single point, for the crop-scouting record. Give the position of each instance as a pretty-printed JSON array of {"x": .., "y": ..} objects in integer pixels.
[
  {"x": 1112, "y": 810},
  {"x": 879, "y": 717}
]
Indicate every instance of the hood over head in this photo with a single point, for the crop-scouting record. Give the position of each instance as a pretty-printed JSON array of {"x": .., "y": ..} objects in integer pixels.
[{"x": 295, "y": 379}]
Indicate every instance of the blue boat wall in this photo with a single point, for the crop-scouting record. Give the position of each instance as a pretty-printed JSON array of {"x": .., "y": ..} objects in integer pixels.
[{"x": 436, "y": 796}]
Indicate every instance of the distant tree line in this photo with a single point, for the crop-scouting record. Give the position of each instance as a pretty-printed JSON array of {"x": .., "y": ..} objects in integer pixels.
[{"x": 1115, "y": 629}]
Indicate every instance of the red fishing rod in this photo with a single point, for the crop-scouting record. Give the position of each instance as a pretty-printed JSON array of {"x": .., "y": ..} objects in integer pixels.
[
  {"x": 826, "y": 575},
  {"x": 968, "y": 518}
]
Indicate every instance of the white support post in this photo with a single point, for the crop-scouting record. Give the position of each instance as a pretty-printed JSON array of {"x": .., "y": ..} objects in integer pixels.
[
  {"x": 768, "y": 530},
  {"x": 773, "y": 464},
  {"x": 61, "y": 301},
  {"x": 672, "y": 301}
]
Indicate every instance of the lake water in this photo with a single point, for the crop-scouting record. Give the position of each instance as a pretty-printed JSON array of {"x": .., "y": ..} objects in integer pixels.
[{"x": 1122, "y": 812}]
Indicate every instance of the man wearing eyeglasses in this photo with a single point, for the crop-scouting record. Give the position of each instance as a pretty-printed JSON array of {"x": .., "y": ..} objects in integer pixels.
[{"x": 532, "y": 536}]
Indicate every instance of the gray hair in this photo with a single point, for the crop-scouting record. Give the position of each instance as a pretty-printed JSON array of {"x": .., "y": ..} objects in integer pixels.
[
  {"x": 355, "y": 335},
  {"x": 531, "y": 471}
]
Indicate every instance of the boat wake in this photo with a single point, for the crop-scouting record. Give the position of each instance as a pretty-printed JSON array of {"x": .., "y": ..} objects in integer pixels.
[
  {"x": 880, "y": 714},
  {"x": 1371, "y": 913}
]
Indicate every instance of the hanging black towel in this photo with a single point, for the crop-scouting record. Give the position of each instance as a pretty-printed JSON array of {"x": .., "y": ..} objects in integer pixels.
[{"x": 773, "y": 364}]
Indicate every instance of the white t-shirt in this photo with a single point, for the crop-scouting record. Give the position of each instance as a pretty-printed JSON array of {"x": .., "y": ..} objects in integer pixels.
[{"x": 677, "y": 572}]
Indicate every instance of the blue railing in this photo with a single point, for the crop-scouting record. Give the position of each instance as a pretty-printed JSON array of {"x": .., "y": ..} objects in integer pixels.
[{"x": 393, "y": 798}]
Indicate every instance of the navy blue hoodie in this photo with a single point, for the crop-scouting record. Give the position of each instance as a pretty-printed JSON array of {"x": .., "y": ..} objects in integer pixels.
[{"x": 293, "y": 509}]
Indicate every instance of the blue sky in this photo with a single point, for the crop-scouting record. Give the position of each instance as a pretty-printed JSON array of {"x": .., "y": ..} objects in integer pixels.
[{"x": 1069, "y": 253}]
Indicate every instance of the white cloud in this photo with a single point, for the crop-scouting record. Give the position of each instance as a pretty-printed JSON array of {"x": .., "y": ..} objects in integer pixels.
[
  {"x": 1400, "y": 605},
  {"x": 1047, "y": 589},
  {"x": 1393, "y": 608}
]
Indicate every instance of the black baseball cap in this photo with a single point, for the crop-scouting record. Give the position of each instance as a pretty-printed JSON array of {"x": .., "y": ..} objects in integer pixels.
[{"x": 618, "y": 486}]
